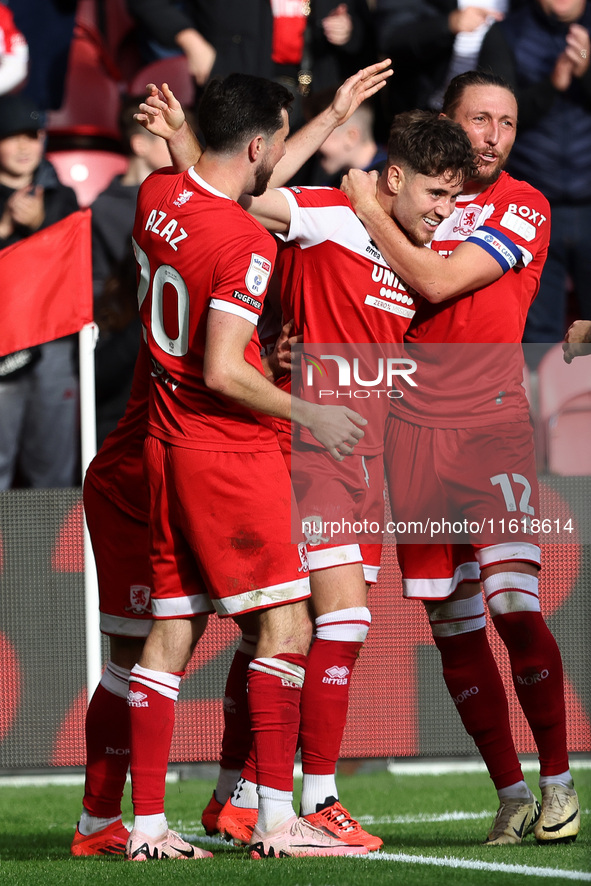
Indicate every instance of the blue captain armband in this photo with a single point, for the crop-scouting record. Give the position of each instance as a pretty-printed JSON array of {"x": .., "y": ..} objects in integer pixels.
[{"x": 501, "y": 247}]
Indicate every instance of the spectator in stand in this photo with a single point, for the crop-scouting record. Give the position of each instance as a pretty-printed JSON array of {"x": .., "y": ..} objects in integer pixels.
[
  {"x": 305, "y": 49},
  {"x": 340, "y": 40},
  {"x": 217, "y": 38},
  {"x": 14, "y": 53},
  {"x": 543, "y": 50},
  {"x": 318, "y": 45},
  {"x": 48, "y": 28},
  {"x": 39, "y": 386},
  {"x": 429, "y": 42},
  {"x": 351, "y": 145},
  {"x": 113, "y": 210},
  {"x": 114, "y": 269}
]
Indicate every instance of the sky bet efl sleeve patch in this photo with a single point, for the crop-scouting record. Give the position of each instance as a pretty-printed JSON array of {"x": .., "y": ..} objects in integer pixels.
[{"x": 258, "y": 273}]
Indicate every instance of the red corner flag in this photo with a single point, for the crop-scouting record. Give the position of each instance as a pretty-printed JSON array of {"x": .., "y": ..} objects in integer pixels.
[{"x": 46, "y": 283}]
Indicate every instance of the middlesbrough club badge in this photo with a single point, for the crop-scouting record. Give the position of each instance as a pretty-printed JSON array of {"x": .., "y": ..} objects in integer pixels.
[
  {"x": 139, "y": 598},
  {"x": 468, "y": 220}
]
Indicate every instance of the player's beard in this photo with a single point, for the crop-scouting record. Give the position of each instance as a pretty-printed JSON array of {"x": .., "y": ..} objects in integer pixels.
[
  {"x": 262, "y": 176},
  {"x": 488, "y": 175}
]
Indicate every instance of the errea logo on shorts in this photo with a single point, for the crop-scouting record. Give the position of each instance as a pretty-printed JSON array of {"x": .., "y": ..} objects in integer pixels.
[{"x": 258, "y": 273}]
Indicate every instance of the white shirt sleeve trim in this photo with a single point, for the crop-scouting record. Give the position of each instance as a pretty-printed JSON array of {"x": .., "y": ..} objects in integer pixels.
[{"x": 218, "y": 304}]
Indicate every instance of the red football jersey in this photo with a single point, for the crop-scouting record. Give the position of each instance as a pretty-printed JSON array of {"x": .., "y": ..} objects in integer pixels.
[
  {"x": 344, "y": 294},
  {"x": 475, "y": 376},
  {"x": 197, "y": 250}
]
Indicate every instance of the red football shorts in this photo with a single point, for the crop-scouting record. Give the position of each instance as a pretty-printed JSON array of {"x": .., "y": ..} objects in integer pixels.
[
  {"x": 342, "y": 508},
  {"x": 461, "y": 499},
  {"x": 121, "y": 552},
  {"x": 221, "y": 532}
]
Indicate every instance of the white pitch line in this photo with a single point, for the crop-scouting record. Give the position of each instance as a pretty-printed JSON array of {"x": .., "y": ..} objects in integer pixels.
[
  {"x": 412, "y": 766},
  {"x": 526, "y": 870},
  {"x": 394, "y": 767},
  {"x": 423, "y": 818}
]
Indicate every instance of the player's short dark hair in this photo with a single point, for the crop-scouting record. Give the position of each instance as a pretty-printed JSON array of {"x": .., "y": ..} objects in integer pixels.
[
  {"x": 457, "y": 87},
  {"x": 429, "y": 144},
  {"x": 234, "y": 110}
]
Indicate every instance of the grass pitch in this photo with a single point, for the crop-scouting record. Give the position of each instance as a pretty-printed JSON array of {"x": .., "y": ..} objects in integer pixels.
[{"x": 432, "y": 827}]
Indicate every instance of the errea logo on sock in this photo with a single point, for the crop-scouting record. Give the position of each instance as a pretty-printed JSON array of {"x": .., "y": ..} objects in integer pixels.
[
  {"x": 336, "y": 676},
  {"x": 137, "y": 699}
]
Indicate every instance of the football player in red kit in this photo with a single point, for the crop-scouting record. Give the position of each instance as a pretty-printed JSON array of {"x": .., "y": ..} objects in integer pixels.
[
  {"x": 100, "y": 830},
  {"x": 468, "y": 426},
  {"x": 341, "y": 297}
]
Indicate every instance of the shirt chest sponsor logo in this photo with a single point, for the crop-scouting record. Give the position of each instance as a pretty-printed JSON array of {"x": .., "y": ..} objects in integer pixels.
[
  {"x": 523, "y": 221},
  {"x": 393, "y": 296},
  {"x": 247, "y": 299},
  {"x": 258, "y": 273},
  {"x": 168, "y": 228}
]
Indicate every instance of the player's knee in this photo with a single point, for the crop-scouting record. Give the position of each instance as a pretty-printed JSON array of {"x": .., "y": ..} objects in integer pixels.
[
  {"x": 511, "y": 592},
  {"x": 285, "y": 629},
  {"x": 346, "y": 625},
  {"x": 452, "y": 617}
]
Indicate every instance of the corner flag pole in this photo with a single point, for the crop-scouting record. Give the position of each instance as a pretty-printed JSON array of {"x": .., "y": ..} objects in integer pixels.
[{"x": 87, "y": 340}]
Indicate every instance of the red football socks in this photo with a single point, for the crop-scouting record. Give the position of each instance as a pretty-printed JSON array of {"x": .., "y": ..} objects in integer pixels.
[
  {"x": 475, "y": 685},
  {"x": 107, "y": 753},
  {"x": 152, "y": 697},
  {"x": 325, "y": 701},
  {"x": 537, "y": 672},
  {"x": 274, "y": 692}
]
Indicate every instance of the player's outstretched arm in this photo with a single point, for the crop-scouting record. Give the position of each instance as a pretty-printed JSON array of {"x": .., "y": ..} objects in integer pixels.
[
  {"x": 226, "y": 371},
  {"x": 577, "y": 341},
  {"x": 306, "y": 141},
  {"x": 433, "y": 276},
  {"x": 162, "y": 114}
]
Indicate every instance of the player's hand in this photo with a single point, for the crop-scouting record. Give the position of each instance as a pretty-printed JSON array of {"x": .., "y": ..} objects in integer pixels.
[
  {"x": 577, "y": 341},
  {"x": 360, "y": 187},
  {"x": 280, "y": 359},
  {"x": 338, "y": 428},
  {"x": 357, "y": 88},
  {"x": 161, "y": 113},
  {"x": 27, "y": 208}
]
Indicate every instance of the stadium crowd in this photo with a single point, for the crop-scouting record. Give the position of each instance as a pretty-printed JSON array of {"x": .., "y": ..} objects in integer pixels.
[{"x": 196, "y": 396}]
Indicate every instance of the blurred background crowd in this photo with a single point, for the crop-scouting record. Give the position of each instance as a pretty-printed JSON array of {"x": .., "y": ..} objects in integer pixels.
[{"x": 72, "y": 73}]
